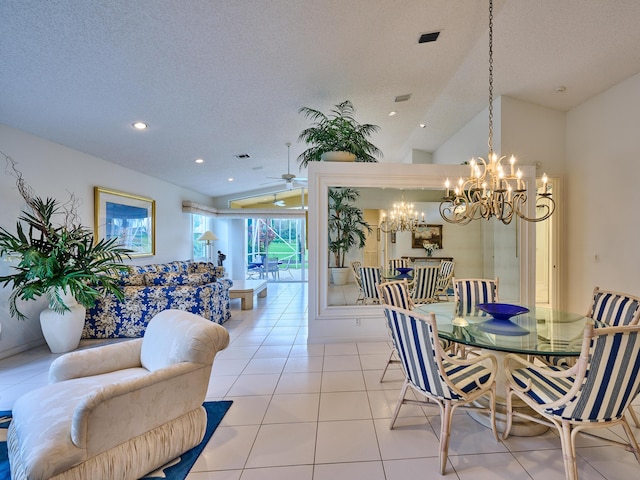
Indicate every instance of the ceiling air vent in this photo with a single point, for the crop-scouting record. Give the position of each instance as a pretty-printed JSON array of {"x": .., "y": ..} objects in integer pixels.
[
  {"x": 403, "y": 98},
  {"x": 242, "y": 156},
  {"x": 428, "y": 37}
]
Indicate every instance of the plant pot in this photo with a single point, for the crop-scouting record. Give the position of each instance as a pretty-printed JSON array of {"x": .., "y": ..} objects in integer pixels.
[
  {"x": 338, "y": 157},
  {"x": 339, "y": 275},
  {"x": 62, "y": 331}
]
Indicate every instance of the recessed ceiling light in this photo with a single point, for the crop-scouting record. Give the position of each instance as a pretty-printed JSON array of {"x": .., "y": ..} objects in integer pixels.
[
  {"x": 423, "y": 125},
  {"x": 560, "y": 89},
  {"x": 140, "y": 125},
  {"x": 230, "y": 179},
  {"x": 199, "y": 160},
  {"x": 391, "y": 114}
]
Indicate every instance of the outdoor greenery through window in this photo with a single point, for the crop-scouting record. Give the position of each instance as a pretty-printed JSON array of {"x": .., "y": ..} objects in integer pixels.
[
  {"x": 283, "y": 239},
  {"x": 198, "y": 227}
]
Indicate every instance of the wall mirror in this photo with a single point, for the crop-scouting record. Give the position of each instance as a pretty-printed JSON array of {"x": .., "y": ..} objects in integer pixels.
[{"x": 480, "y": 249}]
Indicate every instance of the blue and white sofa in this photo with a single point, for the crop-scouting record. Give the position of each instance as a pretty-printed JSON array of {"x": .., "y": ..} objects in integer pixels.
[{"x": 196, "y": 287}]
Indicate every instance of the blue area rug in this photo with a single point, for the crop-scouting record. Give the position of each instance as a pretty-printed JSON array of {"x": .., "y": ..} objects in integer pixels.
[{"x": 175, "y": 470}]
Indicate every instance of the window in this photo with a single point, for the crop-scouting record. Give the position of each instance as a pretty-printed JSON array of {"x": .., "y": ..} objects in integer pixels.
[{"x": 198, "y": 227}]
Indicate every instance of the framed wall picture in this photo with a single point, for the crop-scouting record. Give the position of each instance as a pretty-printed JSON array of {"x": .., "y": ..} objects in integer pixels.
[
  {"x": 129, "y": 218},
  {"x": 430, "y": 233}
]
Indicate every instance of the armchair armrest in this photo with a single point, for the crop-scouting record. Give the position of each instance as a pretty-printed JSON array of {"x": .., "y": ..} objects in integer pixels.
[
  {"x": 103, "y": 418},
  {"x": 488, "y": 360},
  {"x": 96, "y": 361}
]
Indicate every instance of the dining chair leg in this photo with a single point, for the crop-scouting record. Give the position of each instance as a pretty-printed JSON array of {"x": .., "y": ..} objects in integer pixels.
[
  {"x": 633, "y": 444},
  {"x": 509, "y": 414},
  {"x": 568, "y": 452},
  {"x": 390, "y": 360},
  {"x": 445, "y": 431},
  {"x": 403, "y": 392},
  {"x": 634, "y": 416}
]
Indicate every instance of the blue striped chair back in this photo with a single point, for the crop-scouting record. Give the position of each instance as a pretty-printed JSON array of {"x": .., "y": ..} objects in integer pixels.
[
  {"x": 614, "y": 308},
  {"x": 395, "y": 294},
  {"x": 370, "y": 279},
  {"x": 425, "y": 281},
  {"x": 469, "y": 292},
  {"x": 445, "y": 274},
  {"x": 612, "y": 377},
  {"x": 414, "y": 337},
  {"x": 355, "y": 266},
  {"x": 397, "y": 262}
]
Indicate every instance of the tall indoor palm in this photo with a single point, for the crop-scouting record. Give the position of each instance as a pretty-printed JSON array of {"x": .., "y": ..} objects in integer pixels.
[{"x": 347, "y": 227}]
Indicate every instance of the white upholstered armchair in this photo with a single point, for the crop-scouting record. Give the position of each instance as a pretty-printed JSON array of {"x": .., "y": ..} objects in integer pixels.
[{"x": 119, "y": 410}]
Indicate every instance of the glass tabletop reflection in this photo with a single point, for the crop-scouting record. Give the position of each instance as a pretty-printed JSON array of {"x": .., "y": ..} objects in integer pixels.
[{"x": 541, "y": 331}]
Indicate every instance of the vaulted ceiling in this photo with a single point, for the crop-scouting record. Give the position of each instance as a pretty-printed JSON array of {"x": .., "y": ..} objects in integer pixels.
[{"x": 215, "y": 79}]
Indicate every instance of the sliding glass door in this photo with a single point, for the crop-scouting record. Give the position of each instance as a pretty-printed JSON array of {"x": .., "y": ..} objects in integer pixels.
[{"x": 276, "y": 249}]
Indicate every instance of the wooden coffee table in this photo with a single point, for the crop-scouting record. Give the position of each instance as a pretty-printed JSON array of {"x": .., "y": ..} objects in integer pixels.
[{"x": 246, "y": 289}]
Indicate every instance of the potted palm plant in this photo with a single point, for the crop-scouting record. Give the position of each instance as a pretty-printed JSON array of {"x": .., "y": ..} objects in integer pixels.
[
  {"x": 60, "y": 261},
  {"x": 337, "y": 132},
  {"x": 347, "y": 229}
]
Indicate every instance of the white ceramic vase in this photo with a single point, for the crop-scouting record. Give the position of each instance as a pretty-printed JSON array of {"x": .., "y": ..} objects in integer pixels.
[
  {"x": 339, "y": 275},
  {"x": 338, "y": 157},
  {"x": 62, "y": 331}
]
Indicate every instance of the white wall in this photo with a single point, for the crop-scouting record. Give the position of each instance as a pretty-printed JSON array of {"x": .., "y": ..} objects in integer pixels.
[
  {"x": 53, "y": 170},
  {"x": 603, "y": 167}
]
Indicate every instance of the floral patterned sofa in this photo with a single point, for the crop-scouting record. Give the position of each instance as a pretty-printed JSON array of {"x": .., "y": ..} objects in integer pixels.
[{"x": 196, "y": 287}]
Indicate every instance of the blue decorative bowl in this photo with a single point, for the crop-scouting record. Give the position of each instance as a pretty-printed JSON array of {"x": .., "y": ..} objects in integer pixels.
[
  {"x": 501, "y": 323},
  {"x": 404, "y": 272},
  {"x": 502, "y": 311}
]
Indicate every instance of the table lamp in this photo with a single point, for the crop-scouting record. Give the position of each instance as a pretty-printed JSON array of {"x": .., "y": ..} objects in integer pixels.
[{"x": 208, "y": 237}]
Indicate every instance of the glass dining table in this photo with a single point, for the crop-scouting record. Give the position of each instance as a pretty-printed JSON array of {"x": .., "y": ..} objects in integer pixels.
[{"x": 540, "y": 331}]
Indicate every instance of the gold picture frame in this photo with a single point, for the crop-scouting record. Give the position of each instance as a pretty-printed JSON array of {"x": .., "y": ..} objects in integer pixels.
[
  {"x": 431, "y": 233},
  {"x": 128, "y": 217}
]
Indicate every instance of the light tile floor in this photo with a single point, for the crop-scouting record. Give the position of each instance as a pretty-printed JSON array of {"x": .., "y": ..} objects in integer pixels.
[{"x": 308, "y": 411}]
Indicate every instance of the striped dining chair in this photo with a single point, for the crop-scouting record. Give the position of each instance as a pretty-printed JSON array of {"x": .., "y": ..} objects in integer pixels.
[
  {"x": 449, "y": 381},
  {"x": 444, "y": 279},
  {"x": 355, "y": 267},
  {"x": 613, "y": 309},
  {"x": 425, "y": 281},
  {"x": 469, "y": 292},
  {"x": 370, "y": 278},
  {"x": 396, "y": 294},
  {"x": 397, "y": 262},
  {"x": 594, "y": 393}
]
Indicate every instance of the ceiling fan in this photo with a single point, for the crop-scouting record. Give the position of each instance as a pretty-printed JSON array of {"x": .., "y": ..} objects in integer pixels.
[
  {"x": 289, "y": 177},
  {"x": 275, "y": 201}
]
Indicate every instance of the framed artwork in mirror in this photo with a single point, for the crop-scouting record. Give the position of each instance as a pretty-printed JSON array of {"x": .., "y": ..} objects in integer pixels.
[
  {"x": 129, "y": 218},
  {"x": 429, "y": 233}
]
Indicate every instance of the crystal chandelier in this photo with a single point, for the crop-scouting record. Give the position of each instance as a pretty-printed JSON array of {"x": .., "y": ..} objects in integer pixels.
[
  {"x": 491, "y": 190},
  {"x": 403, "y": 218}
]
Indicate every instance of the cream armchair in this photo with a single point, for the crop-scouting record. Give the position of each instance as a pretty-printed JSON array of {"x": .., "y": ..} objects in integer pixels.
[{"x": 119, "y": 410}]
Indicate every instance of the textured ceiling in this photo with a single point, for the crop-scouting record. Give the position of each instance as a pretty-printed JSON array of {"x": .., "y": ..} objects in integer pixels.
[{"x": 218, "y": 78}]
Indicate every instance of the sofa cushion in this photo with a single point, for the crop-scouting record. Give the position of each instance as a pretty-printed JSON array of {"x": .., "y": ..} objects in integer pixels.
[{"x": 130, "y": 279}]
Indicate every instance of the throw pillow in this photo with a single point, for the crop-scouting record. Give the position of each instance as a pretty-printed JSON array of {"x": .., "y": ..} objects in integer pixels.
[
  {"x": 200, "y": 278},
  {"x": 165, "y": 278}
]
